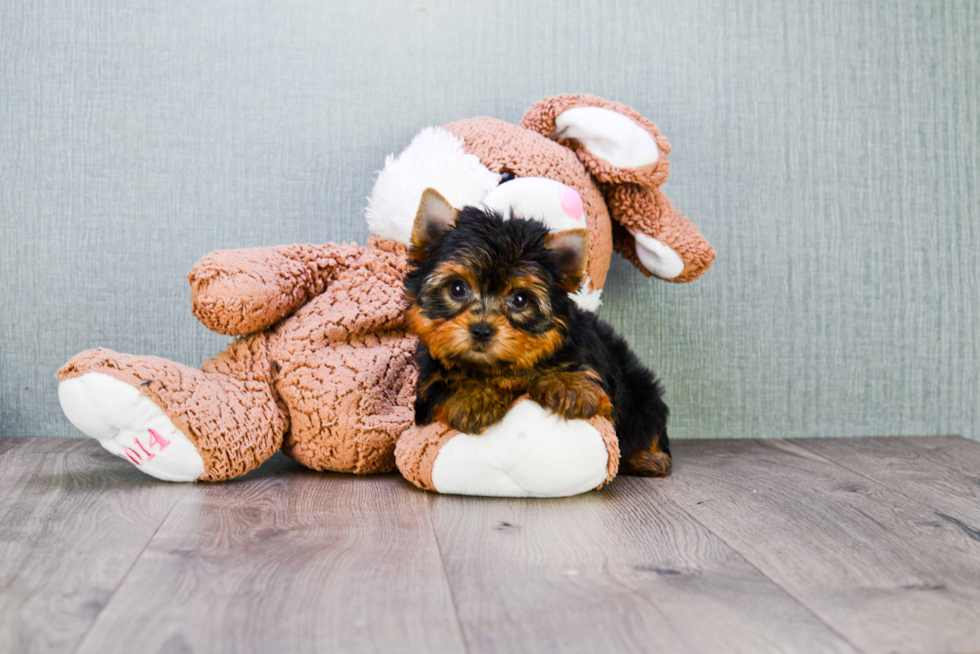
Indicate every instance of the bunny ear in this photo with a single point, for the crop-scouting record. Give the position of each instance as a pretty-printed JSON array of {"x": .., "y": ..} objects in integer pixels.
[
  {"x": 616, "y": 144},
  {"x": 651, "y": 233},
  {"x": 627, "y": 155}
]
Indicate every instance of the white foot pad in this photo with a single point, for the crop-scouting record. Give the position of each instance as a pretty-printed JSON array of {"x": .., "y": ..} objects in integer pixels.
[
  {"x": 530, "y": 453},
  {"x": 130, "y": 426}
]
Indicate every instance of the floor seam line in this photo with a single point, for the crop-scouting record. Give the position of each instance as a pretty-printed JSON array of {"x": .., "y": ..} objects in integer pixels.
[
  {"x": 13, "y": 446},
  {"x": 445, "y": 573},
  {"x": 788, "y": 592},
  {"x": 883, "y": 484},
  {"x": 81, "y": 640}
]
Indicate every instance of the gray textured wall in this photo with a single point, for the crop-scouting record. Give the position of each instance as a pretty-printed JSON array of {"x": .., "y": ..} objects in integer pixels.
[{"x": 829, "y": 151}]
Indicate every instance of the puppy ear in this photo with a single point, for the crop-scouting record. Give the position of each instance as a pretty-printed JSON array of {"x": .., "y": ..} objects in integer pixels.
[
  {"x": 434, "y": 218},
  {"x": 571, "y": 252}
]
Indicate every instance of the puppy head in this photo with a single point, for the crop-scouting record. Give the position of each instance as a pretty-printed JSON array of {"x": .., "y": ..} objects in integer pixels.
[{"x": 487, "y": 293}]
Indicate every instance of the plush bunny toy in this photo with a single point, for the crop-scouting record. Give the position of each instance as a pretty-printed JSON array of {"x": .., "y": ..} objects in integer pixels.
[{"x": 322, "y": 367}]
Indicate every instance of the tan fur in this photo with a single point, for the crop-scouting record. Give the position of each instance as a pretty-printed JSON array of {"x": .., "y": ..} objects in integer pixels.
[
  {"x": 572, "y": 395},
  {"x": 449, "y": 340},
  {"x": 648, "y": 463}
]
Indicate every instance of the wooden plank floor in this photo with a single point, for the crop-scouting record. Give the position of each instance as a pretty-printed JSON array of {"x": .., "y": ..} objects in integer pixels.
[{"x": 817, "y": 545}]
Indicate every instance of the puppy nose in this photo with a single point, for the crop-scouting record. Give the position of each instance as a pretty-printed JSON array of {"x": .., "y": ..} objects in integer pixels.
[{"x": 482, "y": 331}]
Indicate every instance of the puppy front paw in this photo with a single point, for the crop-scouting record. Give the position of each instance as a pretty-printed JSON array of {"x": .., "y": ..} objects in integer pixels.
[
  {"x": 572, "y": 395},
  {"x": 468, "y": 423},
  {"x": 474, "y": 407}
]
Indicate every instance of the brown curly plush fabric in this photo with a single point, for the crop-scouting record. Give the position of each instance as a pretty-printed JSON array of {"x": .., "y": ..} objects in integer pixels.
[
  {"x": 333, "y": 385},
  {"x": 541, "y": 119},
  {"x": 238, "y": 292},
  {"x": 227, "y": 408},
  {"x": 650, "y": 211},
  {"x": 322, "y": 367},
  {"x": 633, "y": 194},
  {"x": 416, "y": 452}
]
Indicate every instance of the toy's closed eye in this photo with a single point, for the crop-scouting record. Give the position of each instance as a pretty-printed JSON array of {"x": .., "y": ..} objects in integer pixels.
[{"x": 556, "y": 205}]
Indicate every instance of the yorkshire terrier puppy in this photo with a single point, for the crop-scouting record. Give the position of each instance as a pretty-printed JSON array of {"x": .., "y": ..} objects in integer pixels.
[{"x": 488, "y": 299}]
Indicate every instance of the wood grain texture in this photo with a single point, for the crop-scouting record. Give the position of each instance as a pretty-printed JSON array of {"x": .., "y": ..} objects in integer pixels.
[
  {"x": 73, "y": 521},
  {"x": 826, "y": 148},
  {"x": 751, "y": 546},
  {"x": 294, "y": 561},
  {"x": 621, "y": 570},
  {"x": 7, "y": 444},
  {"x": 42, "y": 446},
  {"x": 941, "y": 472},
  {"x": 879, "y": 567}
]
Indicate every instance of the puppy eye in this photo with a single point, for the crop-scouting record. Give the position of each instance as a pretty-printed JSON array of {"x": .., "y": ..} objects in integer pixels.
[
  {"x": 519, "y": 300},
  {"x": 458, "y": 289},
  {"x": 506, "y": 176}
]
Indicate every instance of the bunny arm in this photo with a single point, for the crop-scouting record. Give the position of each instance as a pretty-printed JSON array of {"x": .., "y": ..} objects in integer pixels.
[
  {"x": 530, "y": 453},
  {"x": 237, "y": 292}
]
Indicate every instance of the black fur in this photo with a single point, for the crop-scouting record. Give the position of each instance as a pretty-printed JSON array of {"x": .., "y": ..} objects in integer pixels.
[
  {"x": 639, "y": 412},
  {"x": 426, "y": 402},
  {"x": 494, "y": 248}
]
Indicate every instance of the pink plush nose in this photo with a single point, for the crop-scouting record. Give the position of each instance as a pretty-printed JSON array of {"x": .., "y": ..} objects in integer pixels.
[{"x": 571, "y": 202}]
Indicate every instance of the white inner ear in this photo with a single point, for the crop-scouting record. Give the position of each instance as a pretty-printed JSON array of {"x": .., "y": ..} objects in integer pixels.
[
  {"x": 609, "y": 135},
  {"x": 656, "y": 257}
]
